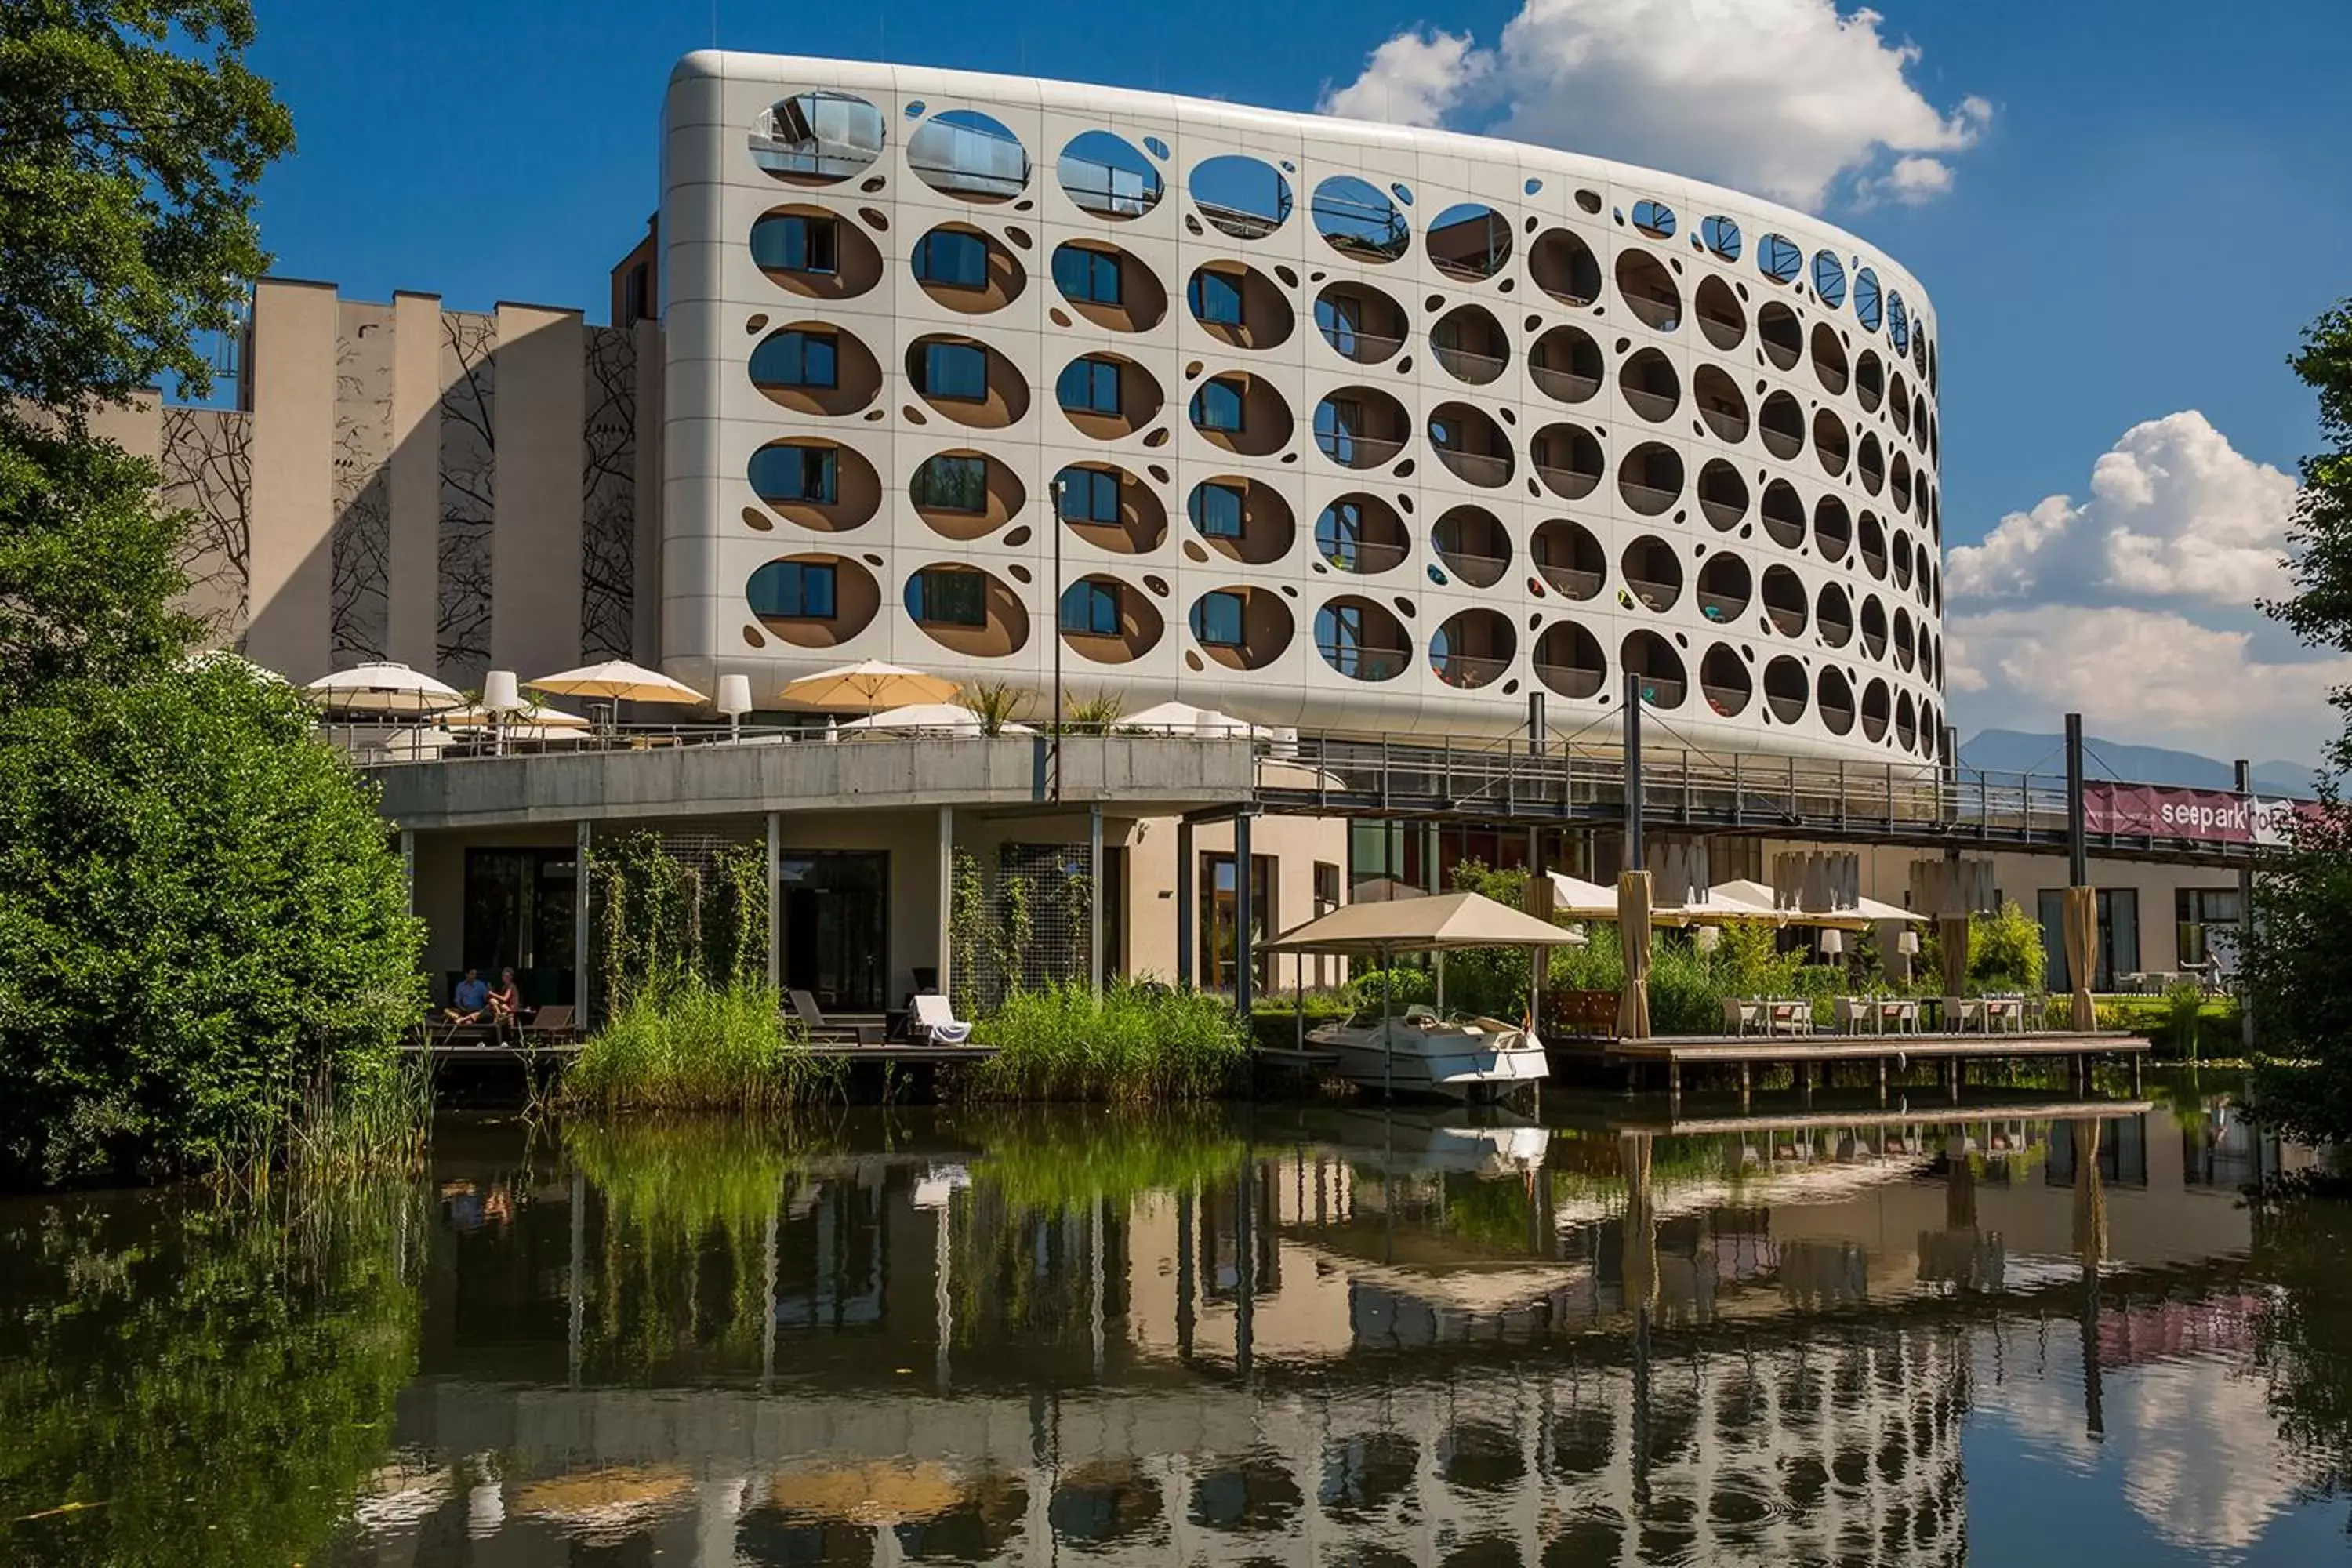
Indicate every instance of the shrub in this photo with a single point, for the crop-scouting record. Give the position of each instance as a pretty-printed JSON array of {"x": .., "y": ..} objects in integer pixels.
[
  {"x": 2005, "y": 951},
  {"x": 681, "y": 1043},
  {"x": 1404, "y": 987},
  {"x": 1142, "y": 1043}
]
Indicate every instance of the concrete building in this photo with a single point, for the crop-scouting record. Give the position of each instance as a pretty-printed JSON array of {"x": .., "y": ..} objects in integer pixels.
[{"x": 1322, "y": 425}]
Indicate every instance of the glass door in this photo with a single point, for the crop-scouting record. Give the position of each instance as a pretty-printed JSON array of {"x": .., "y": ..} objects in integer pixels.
[{"x": 836, "y": 935}]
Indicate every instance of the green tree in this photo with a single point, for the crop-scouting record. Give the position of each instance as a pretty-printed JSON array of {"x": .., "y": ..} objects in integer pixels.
[
  {"x": 2320, "y": 540},
  {"x": 204, "y": 920}
]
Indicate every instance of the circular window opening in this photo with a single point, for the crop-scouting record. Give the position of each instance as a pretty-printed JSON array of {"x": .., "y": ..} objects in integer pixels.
[
  {"x": 1783, "y": 515},
  {"x": 1779, "y": 259},
  {"x": 814, "y": 600},
  {"x": 1241, "y": 412},
  {"x": 1900, "y": 491},
  {"x": 1469, "y": 243},
  {"x": 818, "y": 138},
  {"x": 1784, "y": 601},
  {"x": 1836, "y": 702},
  {"x": 1873, "y": 545},
  {"x": 1898, "y": 325},
  {"x": 1474, "y": 545},
  {"x": 1720, "y": 403},
  {"x": 1470, "y": 344},
  {"x": 1361, "y": 428},
  {"x": 1874, "y": 628},
  {"x": 1566, "y": 364},
  {"x": 1473, "y": 448},
  {"x": 1651, "y": 658},
  {"x": 964, "y": 152},
  {"x": 1870, "y": 463},
  {"x": 814, "y": 368},
  {"x": 1651, "y": 389},
  {"x": 1877, "y": 707},
  {"x": 1106, "y": 396},
  {"x": 965, "y": 494},
  {"x": 1831, "y": 444},
  {"x": 1242, "y": 627},
  {"x": 1652, "y": 573},
  {"x": 1869, "y": 381},
  {"x": 1722, "y": 494},
  {"x": 1570, "y": 558},
  {"x": 1907, "y": 653},
  {"x": 1109, "y": 286},
  {"x": 1473, "y": 648},
  {"x": 1107, "y": 506},
  {"x": 1361, "y": 639},
  {"x": 967, "y": 611},
  {"x": 967, "y": 269},
  {"x": 1907, "y": 723},
  {"x": 1721, "y": 237},
  {"x": 809, "y": 251},
  {"x": 1867, "y": 300},
  {"x": 1829, "y": 359},
  {"x": 1244, "y": 197},
  {"x": 1241, "y": 519},
  {"x": 1567, "y": 459},
  {"x": 1829, "y": 278},
  {"x": 1357, "y": 219},
  {"x": 1564, "y": 266},
  {"x": 1898, "y": 404},
  {"x": 1786, "y": 690},
  {"x": 1833, "y": 614},
  {"x": 1239, "y": 306},
  {"x": 1359, "y": 322},
  {"x": 820, "y": 485},
  {"x": 967, "y": 380},
  {"x": 1651, "y": 478},
  {"x": 1108, "y": 176},
  {"x": 1648, "y": 291},
  {"x": 1569, "y": 660},
  {"x": 1360, "y": 533},
  {"x": 1832, "y": 529},
  {"x": 1782, "y": 338},
  {"x": 1721, "y": 317},
  {"x": 1782, "y": 423},
  {"x": 1900, "y": 555},
  {"x": 1654, "y": 218},
  {"x": 1724, "y": 681},
  {"x": 1725, "y": 588},
  {"x": 1108, "y": 621}
]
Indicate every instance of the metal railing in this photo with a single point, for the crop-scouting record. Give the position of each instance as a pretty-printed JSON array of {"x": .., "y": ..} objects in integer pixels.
[
  {"x": 1477, "y": 570},
  {"x": 1571, "y": 581},
  {"x": 1482, "y": 469},
  {"x": 1362, "y": 347},
  {"x": 1466, "y": 365},
  {"x": 1651, "y": 405},
  {"x": 1351, "y": 451},
  {"x": 1467, "y": 672},
  {"x": 1568, "y": 482},
  {"x": 1362, "y": 556},
  {"x": 1566, "y": 386},
  {"x": 1572, "y": 680},
  {"x": 1361, "y": 663}
]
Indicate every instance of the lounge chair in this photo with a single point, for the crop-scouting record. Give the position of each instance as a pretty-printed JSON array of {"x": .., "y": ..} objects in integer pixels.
[
  {"x": 549, "y": 1026},
  {"x": 936, "y": 1024},
  {"x": 821, "y": 1028}
]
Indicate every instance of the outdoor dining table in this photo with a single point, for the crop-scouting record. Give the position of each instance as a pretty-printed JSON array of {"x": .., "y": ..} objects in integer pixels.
[
  {"x": 2003, "y": 1013},
  {"x": 1878, "y": 1015}
]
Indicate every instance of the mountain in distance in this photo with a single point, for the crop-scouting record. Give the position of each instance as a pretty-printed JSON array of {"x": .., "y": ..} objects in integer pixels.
[{"x": 2014, "y": 752}]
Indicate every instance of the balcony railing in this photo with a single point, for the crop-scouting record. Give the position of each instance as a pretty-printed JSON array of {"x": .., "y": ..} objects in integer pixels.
[
  {"x": 1721, "y": 608},
  {"x": 1469, "y": 673},
  {"x": 1663, "y": 691},
  {"x": 1363, "y": 348},
  {"x": 1478, "y": 571},
  {"x": 1651, "y": 405},
  {"x": 1240, "y": 223},
  {"x": 1353, "y": 451},
  {"x": 1651, "y": 594},
  {"x": 1567, "y": 385},
  {"x": 1107, "y": 191},
  {"x": 1573, "y": 582},
  {"x": 1649, "y": 499},
  {"x": 1572, "y": 680},
  {"x": 1468, "y": 364},
  {"x": 1788, "y": 623},
  {"x": 1362, "y": 556},
  {"x": 1362, "y": 663},
  {"x": 1478, "y": 467},
  {"x": 1726, "y": 700}
]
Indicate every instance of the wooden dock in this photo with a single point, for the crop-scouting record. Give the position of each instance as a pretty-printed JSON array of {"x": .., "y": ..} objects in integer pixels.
[
  {"x": 824, "y": 1051},
  {"x": 1806, "y": 1053}
]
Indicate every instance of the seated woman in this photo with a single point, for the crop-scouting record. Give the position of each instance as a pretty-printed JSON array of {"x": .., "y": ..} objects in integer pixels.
[{"x": 506, "y": 1002}]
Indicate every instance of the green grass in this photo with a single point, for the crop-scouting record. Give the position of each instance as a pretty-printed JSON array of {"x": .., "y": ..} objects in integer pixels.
[
  {"x": 1140, "y": 1046},
  {"x": 685, "y": 1043}
]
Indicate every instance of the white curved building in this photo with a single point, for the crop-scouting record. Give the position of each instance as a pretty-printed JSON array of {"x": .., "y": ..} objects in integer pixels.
[{"x": 1350, "y": 425}]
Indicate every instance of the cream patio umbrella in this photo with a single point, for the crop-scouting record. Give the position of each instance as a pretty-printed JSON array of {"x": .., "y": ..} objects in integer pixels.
[
  {"x": 1574, "y": 898},
  {"x": 538, "y": 723},
  {"x": 618, "y": 680},
  {"x": 1860, "y": 913},
  {"x": 934, "y": 719},
  {"x": 383, "y": 689},
  {"x": 870, "y": 686}
]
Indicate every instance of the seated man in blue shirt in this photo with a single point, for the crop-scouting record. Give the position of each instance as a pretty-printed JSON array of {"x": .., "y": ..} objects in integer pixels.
[{"x": 471, "y": 998}]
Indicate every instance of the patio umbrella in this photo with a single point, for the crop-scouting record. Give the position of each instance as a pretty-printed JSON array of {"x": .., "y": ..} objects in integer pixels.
[
  {"x": 1437, "y": 923},
  {"x": 618, "y": 680},
  {"x": 1861, "y": 912},
  {"x": 538, "y": 716},
  {"x": 1574, "y": 898},
  {"x": 868, "y": 686},
  {"x": 1634, "y": 933},
  {"x": 383, "y": 688},
  {"x": 1183, "y": 719},
  {"x": 947, "y": 718},
  {"x": 1724, "y": 905},
  {"x": 2081, "y": 920}
]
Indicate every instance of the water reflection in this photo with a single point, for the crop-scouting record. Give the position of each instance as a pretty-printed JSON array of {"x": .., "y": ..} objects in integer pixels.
[{"x": 1325, "y": 1335}]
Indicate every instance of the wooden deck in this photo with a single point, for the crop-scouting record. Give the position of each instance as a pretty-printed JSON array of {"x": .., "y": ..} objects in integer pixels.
[
  {"x": 1793, "y": 1119},
  {"x": 827, "y": 1051},
  {"x": 1807, "y": 1052}
]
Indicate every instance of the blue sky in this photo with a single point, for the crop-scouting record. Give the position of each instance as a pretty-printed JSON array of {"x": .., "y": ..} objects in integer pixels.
[{"x": 2152, "y": 201}]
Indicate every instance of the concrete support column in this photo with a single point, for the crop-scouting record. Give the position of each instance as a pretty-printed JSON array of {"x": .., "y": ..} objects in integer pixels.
[
  {"x": 582, "y": 932},
  {"x": 1095, "y": 898},
  {"x": 946, "y": 900},
  {"x": 776, "y": 900},
  {"x": 1245, "y": 912},
  {"x": 290, "y": 551},
  {"x": 1187, "y": 888}
]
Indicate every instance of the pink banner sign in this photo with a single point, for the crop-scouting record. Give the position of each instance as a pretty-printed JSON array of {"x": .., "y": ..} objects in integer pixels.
[{"x": 2162, "y": 811}]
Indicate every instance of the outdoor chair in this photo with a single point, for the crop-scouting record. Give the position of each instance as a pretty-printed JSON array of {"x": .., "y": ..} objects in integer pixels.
[
  {"x": 936, "y": 1024},
  {"x": 821, "y": 1028},
  {"x": 549, "y": 1026},
  {"x": 1743, "y": 1014},
  {"x": 1962, "y": 1013}
]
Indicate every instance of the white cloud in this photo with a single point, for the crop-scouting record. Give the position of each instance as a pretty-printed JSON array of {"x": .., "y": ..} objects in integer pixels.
[
  {"x": 2175, "y": 514},
  {"x": 1785, "y": 98}
]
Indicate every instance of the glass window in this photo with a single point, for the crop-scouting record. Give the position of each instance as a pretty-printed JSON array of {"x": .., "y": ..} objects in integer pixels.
[
  {"x": 1216, "y": 299},
  {"x": 958, "y": 371},
  {"x": 1218, "y": 619},
  {"x": 1340, "y": 319},
  {"x": 2201, "y": 913},
  {"x": 1088, "y": 495},
  {"x": 1220, "y": 917},
  {"x": 949, "y": 259},
  {"x": 1336, "y": 420},
  {"x": 793, "y": 590},
  {"x": 951, "y": 483},
  {"x": 1089, "y": 386},
  {"x": 1339, "y": 533},
  {"x": 1218, "y": 405},
  {"x": 1217, "y": 511},
  {"x": 944, "y": 599},
  {"x": 1085, "y": 275},
  {"x": 793, "y": 243},
  {"x": 1091, "y": 609},
  {"x": 796, "y": 358},
  {"x": 796, "y": 473}
]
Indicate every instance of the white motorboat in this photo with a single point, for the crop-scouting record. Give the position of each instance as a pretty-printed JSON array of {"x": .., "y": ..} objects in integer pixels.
[{"x": 1419, "y": 1053}]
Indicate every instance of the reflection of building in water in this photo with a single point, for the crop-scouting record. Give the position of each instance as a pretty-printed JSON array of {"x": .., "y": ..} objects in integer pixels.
[{"x": 1338, "y": 1354}]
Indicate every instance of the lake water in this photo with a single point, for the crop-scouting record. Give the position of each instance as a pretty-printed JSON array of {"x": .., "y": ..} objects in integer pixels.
[{"x": 2044, "y": 1333}]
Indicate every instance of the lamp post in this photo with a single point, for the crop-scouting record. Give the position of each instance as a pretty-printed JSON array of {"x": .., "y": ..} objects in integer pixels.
[
  {"x": 735, "y": 700},
  {"x": 1061, "y": 502},
  {"x": 501, "y": 696}
]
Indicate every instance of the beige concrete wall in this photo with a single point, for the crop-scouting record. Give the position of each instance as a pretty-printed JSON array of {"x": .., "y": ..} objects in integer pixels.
[
  {"x": 535, "y": 543},
  {"x": 415, "y": 478},
  {"x": 292, "y": 373},
  {"x": 1296, "y": 843}
]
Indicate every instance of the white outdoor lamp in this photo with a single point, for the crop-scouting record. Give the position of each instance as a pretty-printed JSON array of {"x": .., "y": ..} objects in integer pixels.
[
  {"x": 734, "y": 700},
  {"x": 500, "y": 696}
]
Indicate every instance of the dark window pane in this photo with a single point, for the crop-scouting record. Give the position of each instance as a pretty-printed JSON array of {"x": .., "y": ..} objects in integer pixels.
[
  {"x": 955, "y": 371},
  {"x": 1216, "y": 299},
  {"x": 1219, "y": 619},
  {"x": 1217, "y": 511}
]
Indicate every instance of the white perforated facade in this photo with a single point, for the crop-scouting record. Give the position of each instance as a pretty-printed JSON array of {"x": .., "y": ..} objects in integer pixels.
[{"x": 1361, "y": 428}]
